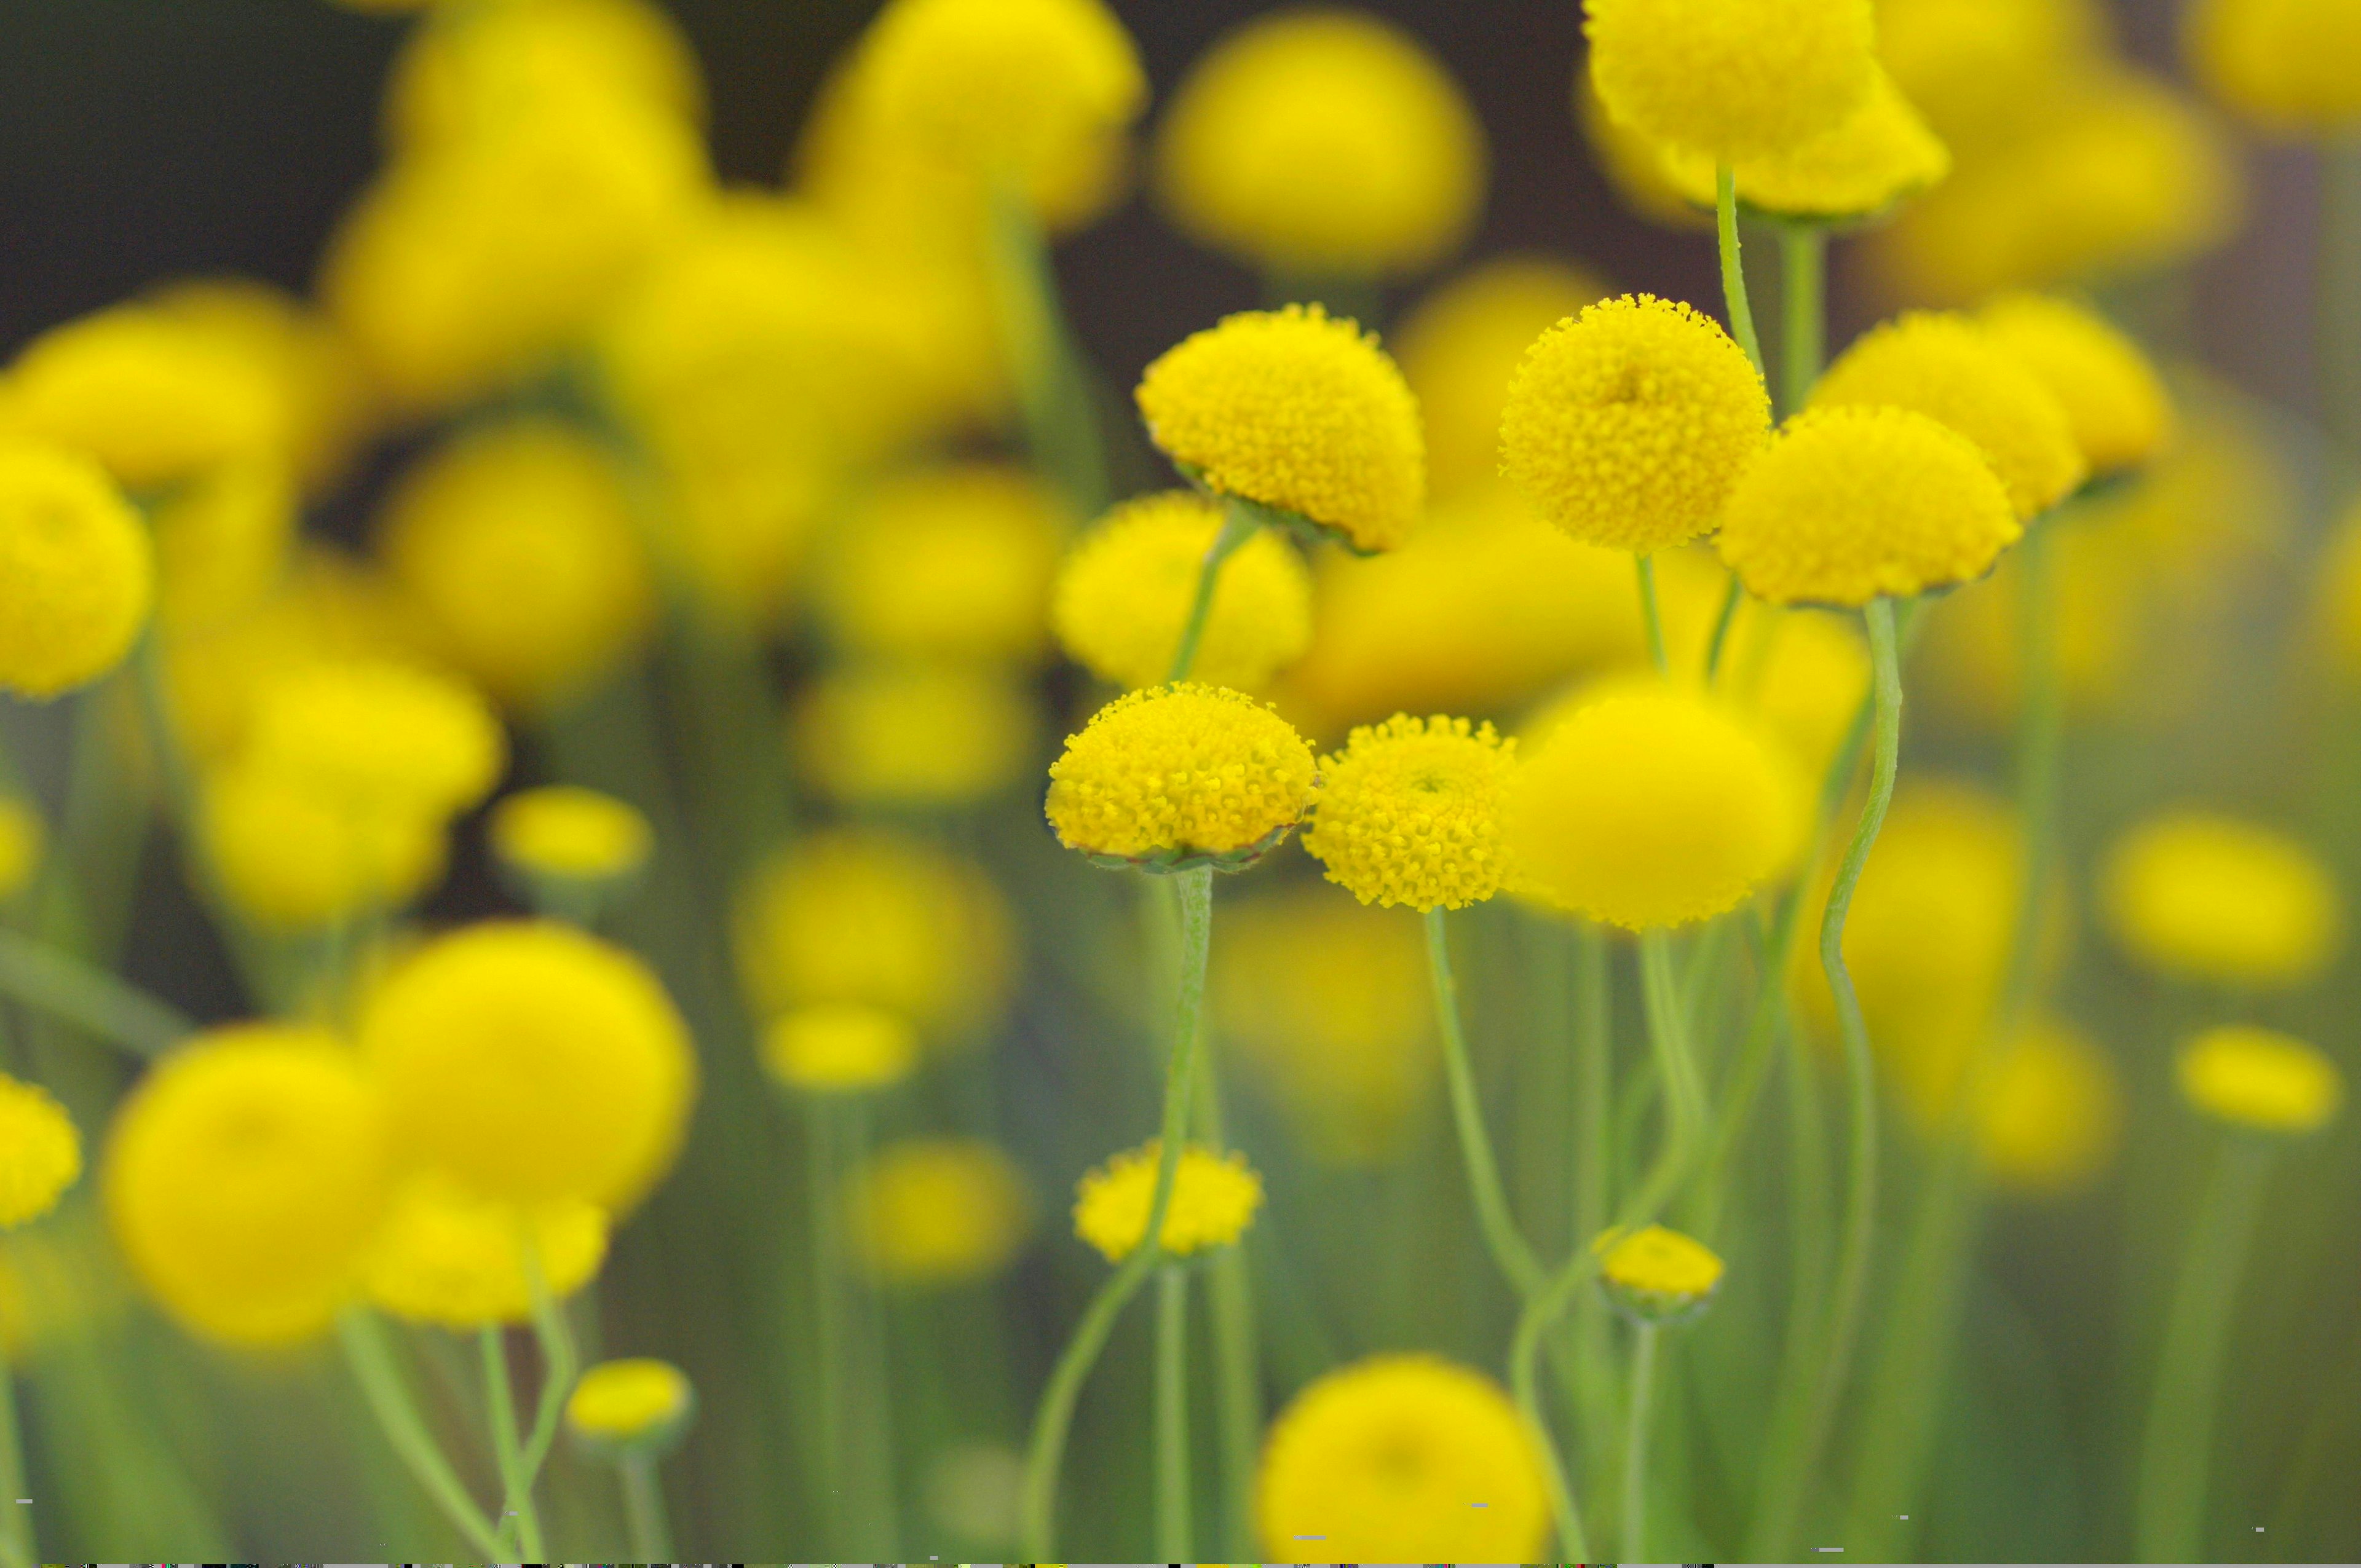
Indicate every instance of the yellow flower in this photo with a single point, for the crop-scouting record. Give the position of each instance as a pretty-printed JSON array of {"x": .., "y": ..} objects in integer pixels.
[
  {"x": 244, "y": 1177},
  {"x": 2203, "y": 897},
  {"x": 839, "y": 1047},
  {"x": 533, "y": 1062},
  {"x": 1298, "y": 411},
  {"x": 1656, "y": 1274},
  {"x": 1627, "y": 426},
  {"x": 1402, "y": 1458},
  {"x": 519, "y": 540},
  {"x": 1981, "y": 69},
  {"x": 448, "y": 1257},
  {"x": 2051, "y": 1112},
  {"x": 1849, "y": 504},
  {"x": 634, "y": 1402},
  {"x": 76, "y": 571},
  {"x": 222, "y": 541},
  {"x": 954, "y": 563},
  {"x": 1731, "y": 78},
  {"x": 1214, "y": 1197},
  {"x": 1804, "y": 672},
  {"x": 43, "y": 1154},
  {"x": 937, "y": 1212},
  {"x": 325, "y": 407},
  {"x": 1123, "y": 596},
  {"x": 1411, "y": 813},
  {"x": 22, "y": 838},
  {"x": 1970, "y": 659},
  {"x": 566, "y": 833},
  {"x": 2284, "y": 64},
  {"x": 291, "y": 856},
  {"x": 1881, "y": 152},
  {"x": 2260, "y": 1079},
  {"x": 1173, "y": 775},
  {"x": 379, "y": 734},
  {"x": 869, "y": 916},
  {"x": 1459, "y": 349},
  {"x": 1655, "y": 806},
  {"x": 1631, "y": 161},
  {"x": 2340, "y": 592},
  {"x": 1322, "y": 144},
  {"x": 1947, "y": 368},
  {"x": 471, "y": 69},
  {"x": 915, "y": 735},
  {"x": 2114, "y": 400}
]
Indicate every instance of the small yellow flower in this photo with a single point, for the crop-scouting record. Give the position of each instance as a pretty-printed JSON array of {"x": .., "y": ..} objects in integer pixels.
[
  {"x": 1322, "y": 144},
  {"x": 632, "y": 1403},
  {"x": 1411, "y": 813},
  {"x": 1177, "y": 774},
  {"x": 1215, "y": 1198},
  {"x": 1399, "y": 1458},
  {"x": 1298, "y": 411},
  {"x": 290, "y": 856},
  {"x": 448, "y": 1257},
  {"x": 566, "y": 833},
  {"x": 43, "y": 1152},
  {"x": 947, "y": 562},
  {"x": 937, "y": 1212},
  {"x": 1657, "y": 1274},
  {"x": 1655, "y": 806},
  {"x": 2286, "y": 65},
  {"x": 468, "y": 71},
  {"x": 2115, "y": 401},
  {"x": 1732, "y": 79},
  {"x": 380, "y": 734},
  {"x": 921, "y": 734},
  {"x": 839, "y": 1047},
  {"x": 23, "y": 841},
  {"x": 2260, "y": 1079},
  {"x": 2204, "y": 897},
  {"x": 222, "y": 541},
  {"x": 1123, "y": 596},
  {"x": 1850, "y": 504},
  {"x": 1882, "y": 153},
  {"x": 1627, "y": 426},
  {"x": 2052, "y": 1110},
  {"x": 77, "y": 573}
]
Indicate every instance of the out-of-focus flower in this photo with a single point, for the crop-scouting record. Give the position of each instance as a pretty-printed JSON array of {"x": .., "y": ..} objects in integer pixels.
[
  {"x": 1215, "y": 1198},
  {"x": 2051, "y": 1111},
  {"x": 568, "y": 834},
  {"x": 1881, "y": 153},
  {"x": 1980, "y": 69},
  {"x": 42, "y": 1154},
  {"x": 1804, "y": 672},
  {"x": 841, "y": 1047},
  {"x": 1971, "y": 651},
  {"x": 1172, "y": 776},
  {"x": 2260, "y": 1079},
  {"x": 1656, "y": 1274},
  {"x": 2284, "y": 64},
  {"x": 915, "y": 735},
  {"x": 77, "y": 572},
  {"x": 1631, "y": 162},
  {"x": 1732, "y": 79},
  {"x": 377, "y": 734},
  {"x": 2197, "y": 897},
  {"x": 448, "y": 1257},
  {"x": 931, "y": 1212},
  {"x": 326, "y": 408},
  {"x": 222, "y": 541},
  {"x": 477, "y": 69},
  {"x": 953, "y": 561},
  {"x": 290, "y": 855},
  {"x": 638, "y": 1405},
  {"x": 2114, "y": 400},
  {"x": 1409, "y": 813}
]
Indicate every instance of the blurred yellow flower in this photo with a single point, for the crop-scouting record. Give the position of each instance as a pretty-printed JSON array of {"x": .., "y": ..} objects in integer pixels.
[
  {"x": 325, "y": 407},
  {"x": 1731, "y": 78},
  {"x": 1656, "y": 1273},
  {"x": 839, "y": 1047},
  {"x": 1804, "y": 672},
  {"x": 472, "y": 68},
  {"x": 1631, "y": 162},
  {"x": 376, "y": 734},
  {"x": 222, "y": 541},
  {"x": 2051, "y": 1111},
  {"x": 566, "y": 833},
  {"x": 2284, "y": 64},
  {"x": 1411, "y": 813},
  {"x": 915, "y": 734},
  {"x": 1981, "y": 69},
  {"x": 633, "y": 1401},
  {"x": 931, "y": 1212},
  {"x": 2195, "y": 896},
  {"x": 290, "y": 855},
  {"x": 1173, "y": 775},
  {"x": 1215, "y": 1198},
  {"x": 448, "y": 1257},
  {"x": 2114, "y": 400},
  {"x": 953, "y": 561},
  {"x": 42, "y": 1152},
  {"x": 1969, "y": 658},
  {"x": 77, "y": 572},
  {"x": 2260, "y": 1079},
  {"x": 1880, "y": 154}
]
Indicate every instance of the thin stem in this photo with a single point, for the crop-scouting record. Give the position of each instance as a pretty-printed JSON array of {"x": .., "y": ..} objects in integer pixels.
[
  {"x": 1062, "y": 424},
  {"x": 371, "y": 1360},
  {"x": 828, "y": 1315},
  {"x": 1239, "y": 526},
  {"x": 1651, "y": 618},
  {"x": 1733, "y": 267},
  {"x": 1724, "y": 618},
  {"x": 1804, "y": 253},
  {"x": 88, "y": 997},
  {"x": 16, "y": 1537},
  {"x": 1635, "y": 1443},
  {"x": 500, "y": 1402},
  {"x": 559, "y": 1359},
  {"x": 2176, "y": 1452},
  {"x": 2040, "y": 725},
  {"x": 1045, "y": 1451},
  {"x": 1498, "y": 1226},
  {"x": 643, "y": 1509},
  {"x": 1172, "y": 1412},
  {"x": 1238, "y": 1358},
  {"x": 1685, "y": 1097}
]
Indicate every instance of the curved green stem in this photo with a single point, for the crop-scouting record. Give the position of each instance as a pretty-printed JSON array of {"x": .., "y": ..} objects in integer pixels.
[
  {"x": 1651, "y": 618},
  {"x": 1055, "y": 1414},
  {"x": 1239, "y": 526},
  {"x": 371, "y": 1361},
  {"x": 1733, "y": 268},
  {"x": 88, "y": 997},
  {"x": 499, "y": 1406},
  {"x": 1172, "y": 1412},
  {"x": 1733, "y": 595},
  {"x": 1804, "y": 251},
  {"x": 1635, "y": 1443},
  {"x": 559, "y": 1362},
  {"x": 1685, "y": 1096},
  {"x": 643, "y": 1509},
  {"x": 1498, "y": 1227}
]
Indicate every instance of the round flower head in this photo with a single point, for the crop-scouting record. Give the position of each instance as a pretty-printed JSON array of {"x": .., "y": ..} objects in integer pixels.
[
  {"x": 915, "y": 734},
  {"x": 564, "y": 833},
  {"x": 222, "y": 541},
  {"x": 1411, "y": 813},
  {"x": 244, "y": 1177},
  {"x": 952, "y": 562},
  {"x": 40, "y": 1153},
  {"x": 1214, "y": 1200},
  {"x": 1847, "y": 505},
  {"x": 1170, "y": 777},
  {"x": 636, "y": 1406},
  {"x": 290, "y": 855},
  {"x": 1400, "y": 1458},
  {"x": 448, "y": 1257},
  {"x": 2115, "y": 401},
  {"x": 1298, "y": 411},
  {"x": 533, "y": 1062},
  {"x": 1627, "y": 426},
  {"x": 468, "y": 70},
  {"x": 2202, "y": 897},
  {"x": 2260, "y": 1079},
  {"x": 1322, "y": 144},
  {"x": 377, "y": 733},
  {"x": 1657, "y": 1275},
  {"x": 22, "y": 841},
  {"x": 1947, "y": 369},
  {"x": 77, "y": 573},
  {"x": 1883, "y": 152},
  {"x": 840, "y": 1048},
  {"x": 1123, "y": 596},
  {"x": 1731, "y": 78},
  {"x": 2286, "y": 65},
  {"x": 937, "y": 1212},
  {"x": 2052, "y": 1113},
  {"x": 1654, "y": 807}
]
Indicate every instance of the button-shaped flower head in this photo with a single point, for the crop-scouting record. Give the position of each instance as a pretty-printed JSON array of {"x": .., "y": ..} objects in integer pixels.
[
  {"x": 1655, "y": 1274},
  {"x": 373, "y": 733},
  {"x": 2260, "y": 1079},
  {"x": 1295, "y": 410},
  {"x": 2200, "y": 896},
  {"x": 570, "y": 836},
  {"x": 844, "y": 1047},
  {"x": 937, "y": 1212},
  {"x": 1171, "y": 777},
  {"x": 1215, "y": 1198},
  {"x": 2285, "y": 64},
  {"x": 634, "y": 1406},
  {"x": 77, "y": 573},
  {"x": 450, "y": 1257},
  {"x": 2115, "y": 402},
  {"x": 1410, "y": 812},
  {"x": 1627, "y": 426},
  {"x": 40, "y": 1153},
  {"x": 1731, "y": 78},
  {"x": 1883, "y": 152}
]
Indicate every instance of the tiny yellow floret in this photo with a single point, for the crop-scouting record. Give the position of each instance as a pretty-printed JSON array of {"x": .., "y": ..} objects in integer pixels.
[
  {"x": 2260, "y": 1079},
  {"x": 566, "y": 833},
  {"x": 1410, "y": 812},
  {"x": 2113, "y": 397},
  {"x": 937, "y": 1212},
  {"x": 839, "y": 1047},
  {"x": 1732, "y": 79},
  {"x": 1214, "y": 1197},
  {"x": 1173, "y": 775},
  {"x": 77, "y": 572},
  {"x": 41, "y": 1152},
  {"x": 2200, "y": 896},
  {"x": 1657, "y": 1273},
  {"x": 621, "y": 1402}
]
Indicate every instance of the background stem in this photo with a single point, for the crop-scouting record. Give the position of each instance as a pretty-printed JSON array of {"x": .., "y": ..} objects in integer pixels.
[
  {"x": 1172, "y": 1412},
  {"x": 1507, "y": 1244},
  {"x": 1635, "y": 1443}
]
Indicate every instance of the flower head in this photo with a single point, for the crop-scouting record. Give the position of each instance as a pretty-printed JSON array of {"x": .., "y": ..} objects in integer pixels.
[
  {"x": 290, "y": 856},
  {"x": 1295, "y": 410},
  {"x": 376, "y": 733},
  {"x": 2201, "y": 896},
  {"x": 1124, "y": 594},
  {"x": 937, "y": 1212},
  {"x": 1409, "y": 813},
  {"x": 2115, "y": 402},
  {"x": 839, "y": 1047},
  {"x": 1882, "y": 153},
  {"x": 2260, "y": 1079},
  {"x": 639, "y": 1404},
  {"x": 1627, "y": 426},
  {"x": 2052, "y": 1111},
  {"x": 533, "y": 1062},
  {"x": 2284, "y": 64},
  {"x": 1950, "y": 369},
  {"x": 1169, "y": 776},
  {"x": 916, "y": 733},
  {"x": 466, "y": 73},
  {"x": 449, "y": 1257},
  {"x": 1654, "y": 807},
  {"x": 77, "y": 573},
  {"x": 1849, "y": 504},
  {"x": 953, "y": 561},
  {"x": 1731, "y": 78},
  {"x": 1657, "y": 1274},
  {"x": 1402, "y": 1458},
  {"x": 568, "y": 834},
  {"x": 42, "y": 1154},
  {"x": 1326, "y": 144},
  {"x": 1214, "y": 1197}
]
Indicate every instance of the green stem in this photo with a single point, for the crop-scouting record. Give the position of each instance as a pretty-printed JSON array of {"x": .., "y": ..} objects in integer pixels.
[
  {"x": 828, "y": 1277},
  {"x": 643, "y": 1509},
  {"x": 1062, "y": 426},
  {"x": 1594, "y": 1169},
  {"x": 559, "y": 1359},
  {"x": 1498, "y": 1226},
  {"x": 1239, "y": 526},
  {"x": 1237, "y": 1354},
  {"x": 1172, "y": 1412},
  {"x": 1685, "y": 1096},
  {"x": 1733, "y": 267},
  {"x": 1651, "y": 619},
  {"x": 371, "y": 1360},
  {"x": 1055, "y": 1414},
  {"x": 500, "y": 1400},
  {"x": 1733, "y": 595},
  {"x": 2175, "y": 1451},
  {"x": 16, "y": 1537},
  {"x": 1635, "y": 1443},
  {"x": 1804, "y": 252},
  {"x": 88, "y": 997},
  {"x": 2040, "y": 725}
]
